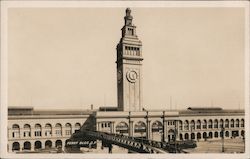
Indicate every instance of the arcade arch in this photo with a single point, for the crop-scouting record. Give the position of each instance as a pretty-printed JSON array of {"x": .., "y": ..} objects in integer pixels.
[
  {"x": 15, "y": 146},
  {"x": 122, "y": 128},
  {"x": 38, "y": 145},
  {"x": 27, "y": 145},
  {"x": 140, "y": 129},
  {"x": 157, "y": 130},
  {"x": 58, "y": 143},
  {"x": 48, "y": 144}
]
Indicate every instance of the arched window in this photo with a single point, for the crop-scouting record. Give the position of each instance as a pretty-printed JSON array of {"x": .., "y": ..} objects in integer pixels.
[
  {"x": 198, "y": 135},
  {"x": 58, "y": 125},
  {"x": 68, "y": 129},
  {"x": 242, "y": 123},
  {"x": 232, "y": 123},
  {"x": 38, "y": 126},
  {"x": 180, "y": 125},
  {"x": 26, "y": 130},
  {"x": 237, "y": 123},
  {"x": 242, "y": 133},
  {"x": 58, "y": 143},
  {"x": 210, "y": 135},
  {"x": 227, "y": 133},
  {"x": 210, "y": 124},
  {"x": 58, "y": 129},
  {"x": 204, "y": 124},
  {"x": 186, "y": 125},
  {"x": 48, "y": 126},
  {"x": 26, "y": 126},
  {"x": 38, "y": 130},
  {"x": 77, "y": 126},
  {"x": 221, "y": 133},
  {"x": 48, "y": 129},
  {"x": 26, "y": 145},
  {"x": 192, "y": 136},
  {"x": 221, "y": 123},
  {"x": 192, "y": 125},
  {"x": 15, "y": 131},
  {"x": 226, "y": 123},
  {"x": 15, "y": 146},
  {"x": 216, "y": 134},
  {"x": 198, "y": 126},
  {"x": 216, "y": 123},
  {"x": 186, "y": 136},
  {"x": 48, "y": 144},
  {"x": 204, "y": 135},
  {"x": 38, "y": 145},
  {"x": 15, "y": 126}
]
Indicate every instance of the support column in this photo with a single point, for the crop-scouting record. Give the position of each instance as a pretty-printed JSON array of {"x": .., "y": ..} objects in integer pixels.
[
  {"x": 63, "y": 144},
  {"x": 177, "y": 129},
  {"x": 32, "y": 133},
  {"x": 21, "y": 133},
  {"x": 112, "y": 127},
  {"x": 53, "y": 143},
  {"x": 163, "y": 126},
  {"x": 148, "y": 130},
  {"x": 98, "y": 126},
  {"x": 32, "y": 146},
  {"x": 21, "y": 146},
  {"x": 165, "y": 130},
  {"x": 10, "y": 146},
  {"x": 131, "y": 128},
  {"x": 10, "y": 133}
]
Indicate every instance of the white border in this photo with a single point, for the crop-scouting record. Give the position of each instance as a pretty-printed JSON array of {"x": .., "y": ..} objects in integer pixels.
[{"x": 102, "y": 4}]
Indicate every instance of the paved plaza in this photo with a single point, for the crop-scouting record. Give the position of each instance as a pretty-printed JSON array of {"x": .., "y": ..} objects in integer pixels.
[{"x": 215, "y": 146}]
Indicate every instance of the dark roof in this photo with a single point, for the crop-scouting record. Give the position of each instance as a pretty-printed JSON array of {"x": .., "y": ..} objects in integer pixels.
[
  {"x": 204, "y": 108},
  {"x": 20, "y": 108},
  {"x": 210, "y": 111},
  {"x": 108, "y": 109},
  {"x": 31, "y": 111}
]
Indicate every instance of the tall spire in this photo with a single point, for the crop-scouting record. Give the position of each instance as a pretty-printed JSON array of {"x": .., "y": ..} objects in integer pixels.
[{"x": 128, "y": 18}]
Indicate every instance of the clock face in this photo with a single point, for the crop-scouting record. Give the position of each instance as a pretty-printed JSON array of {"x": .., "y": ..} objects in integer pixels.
[
  {"x": 132, "y": 76},
  {"x": 119, "y": 76}
]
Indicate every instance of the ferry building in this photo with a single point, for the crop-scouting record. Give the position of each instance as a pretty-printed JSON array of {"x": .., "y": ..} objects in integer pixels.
[{"x": 33, "y": 130}]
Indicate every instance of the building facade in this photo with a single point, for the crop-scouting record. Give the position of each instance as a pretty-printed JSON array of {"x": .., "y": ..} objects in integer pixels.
[
  {"x": 30, "y": 130},
  {"x": 41, "y": 130},
  {"x": 191, "y": 124}
]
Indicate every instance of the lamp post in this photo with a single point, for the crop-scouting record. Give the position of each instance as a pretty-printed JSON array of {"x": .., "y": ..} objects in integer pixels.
[
  {"x": 175, "y": 134},
  {"x": 222, "y": 138},
  {"x": 163, "y": 126}
]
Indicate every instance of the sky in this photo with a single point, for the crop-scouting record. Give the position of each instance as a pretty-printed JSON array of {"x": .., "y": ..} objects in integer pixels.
[{"x": 61, "y": 58}]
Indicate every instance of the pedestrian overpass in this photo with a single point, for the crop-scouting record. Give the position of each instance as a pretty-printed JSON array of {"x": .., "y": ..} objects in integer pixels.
[{"x": 87, "y": 138}]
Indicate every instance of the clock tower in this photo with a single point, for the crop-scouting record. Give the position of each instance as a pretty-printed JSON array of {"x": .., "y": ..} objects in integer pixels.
[{"x": 129, "y": 72}]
